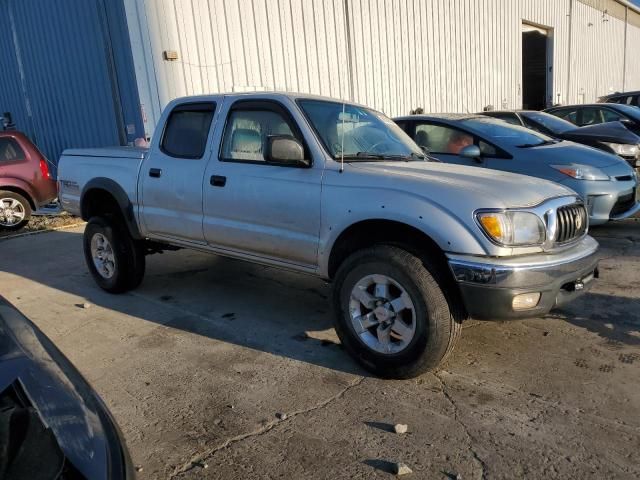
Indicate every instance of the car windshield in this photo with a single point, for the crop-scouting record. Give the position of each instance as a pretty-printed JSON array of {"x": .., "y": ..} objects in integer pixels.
[
  {"x": 505, "y": 134},
  {"x": 358, "y": 133},
  {"x": 550, "y": 122},
  {"x": 629, "y": 110}
]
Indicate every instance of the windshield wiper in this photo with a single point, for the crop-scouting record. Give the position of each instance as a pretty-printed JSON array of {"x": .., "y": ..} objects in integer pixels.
[
  {"x": 365, "y": 156},
  {"x": 530, "y": 145}
]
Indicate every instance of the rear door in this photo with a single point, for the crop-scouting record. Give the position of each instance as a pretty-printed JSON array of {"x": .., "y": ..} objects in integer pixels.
[
  {"x": 255, "y": 208},
  {"x": 171, "y": 176}
]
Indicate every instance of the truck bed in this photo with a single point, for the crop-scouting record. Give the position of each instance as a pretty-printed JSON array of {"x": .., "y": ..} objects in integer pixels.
[
  {"x": 111, "y": 152},
  {"x": 78, "y": 166}
]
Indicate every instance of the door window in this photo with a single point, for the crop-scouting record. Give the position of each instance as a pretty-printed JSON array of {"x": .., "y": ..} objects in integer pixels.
[
  {"x": 610, "y": 116},
  {"x": 568, "y": 115},
  {"x": 187, "y": 130},
  {"x": 10, "y": 151},
  {"x": 487, "y": 150},
  {"x": 249, "y": 128},
  {"x": 590, "y": 116},
  {"x": 441, "y": 139}
]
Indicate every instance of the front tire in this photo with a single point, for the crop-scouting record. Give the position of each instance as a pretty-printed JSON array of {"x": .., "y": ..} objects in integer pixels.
[
  {"x": 116, "y": 261},
  {"x": 391, "y": 312},
  {"x": 15, "y": 210}
]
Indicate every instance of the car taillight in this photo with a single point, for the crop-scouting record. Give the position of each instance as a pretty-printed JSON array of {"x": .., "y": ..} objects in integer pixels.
[{"x": 44, "y": 168}]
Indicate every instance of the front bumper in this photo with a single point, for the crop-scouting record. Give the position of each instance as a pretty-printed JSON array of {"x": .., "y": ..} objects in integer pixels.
[
  {"x": 488, "y": 285},
  {"x": 613, "y": 200}
]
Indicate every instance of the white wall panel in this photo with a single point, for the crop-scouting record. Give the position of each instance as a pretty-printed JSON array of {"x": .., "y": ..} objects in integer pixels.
[
  {"x": 632, "y": 77},
  {"x": 441, "y": 55}
]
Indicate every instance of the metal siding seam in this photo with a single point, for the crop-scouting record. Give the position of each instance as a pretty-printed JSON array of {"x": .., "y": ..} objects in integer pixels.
[{"x": 327, "y": 40}]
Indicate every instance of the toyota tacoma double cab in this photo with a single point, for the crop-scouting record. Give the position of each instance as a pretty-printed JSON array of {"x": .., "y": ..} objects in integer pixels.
[{"x": 335, "y": 190}]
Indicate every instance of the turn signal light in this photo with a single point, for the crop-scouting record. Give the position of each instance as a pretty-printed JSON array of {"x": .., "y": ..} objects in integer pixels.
[{"x": 492, "y": 225}]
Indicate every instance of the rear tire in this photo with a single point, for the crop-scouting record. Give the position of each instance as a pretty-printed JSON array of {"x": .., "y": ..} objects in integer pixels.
[
  {"x": 116, "y": 261},
  {"x": 15, "y": 210},
  {"x": 413, "y": 295}
]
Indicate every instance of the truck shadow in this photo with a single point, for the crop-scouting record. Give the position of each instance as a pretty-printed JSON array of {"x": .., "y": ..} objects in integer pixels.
[
  {"x": 257, "y": 307},
  {"x": 615, "y": 319},
  {"x": 253, "y": 306}
]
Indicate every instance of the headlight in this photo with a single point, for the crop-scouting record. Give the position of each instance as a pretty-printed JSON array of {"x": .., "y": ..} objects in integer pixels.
[
  {"x": 581, "y": 172},
  {"x": 625, "y": 149},
  {"x": 512, "y": 228}
]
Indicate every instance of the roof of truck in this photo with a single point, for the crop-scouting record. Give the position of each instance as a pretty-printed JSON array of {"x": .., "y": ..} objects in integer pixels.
[
  {"x": 440, "y": 116},
  {"x": 267, "y": 93}
]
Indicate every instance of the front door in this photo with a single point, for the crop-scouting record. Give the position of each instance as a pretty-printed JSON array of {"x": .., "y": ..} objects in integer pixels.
[
  {"x": 172, "y": 174},
  {"x": 256, "y": 208}
]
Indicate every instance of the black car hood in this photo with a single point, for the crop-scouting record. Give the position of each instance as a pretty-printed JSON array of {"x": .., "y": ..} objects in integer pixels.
[
  {"x": 610, "y": 132},
  {"x": 65, "y": 402}
]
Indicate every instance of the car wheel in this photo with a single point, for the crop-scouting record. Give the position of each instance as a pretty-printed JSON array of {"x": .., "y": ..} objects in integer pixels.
[
  {"x": 392, "y": 314},
  {"x": 116, "y": 261},
  {"x": 15, "y": 210}
]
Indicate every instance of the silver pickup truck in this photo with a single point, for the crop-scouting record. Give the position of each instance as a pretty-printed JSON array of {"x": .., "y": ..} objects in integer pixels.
[{"x": 335, "y": 190}]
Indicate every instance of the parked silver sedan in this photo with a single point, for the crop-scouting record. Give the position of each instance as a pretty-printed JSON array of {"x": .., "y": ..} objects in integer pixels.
[{"x": 607, "y": 184}]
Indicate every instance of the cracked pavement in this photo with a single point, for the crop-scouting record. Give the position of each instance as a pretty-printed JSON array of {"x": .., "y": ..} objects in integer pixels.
[{"x": 197, "y": 362}]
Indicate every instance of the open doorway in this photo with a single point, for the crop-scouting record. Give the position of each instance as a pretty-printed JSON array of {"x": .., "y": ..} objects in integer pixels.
[{"x": 536, "y": 67}]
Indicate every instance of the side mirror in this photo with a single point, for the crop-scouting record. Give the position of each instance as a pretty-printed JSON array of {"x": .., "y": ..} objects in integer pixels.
[
  {"x": 286, "y": 150},
  {"x": 471, "y": 151}
]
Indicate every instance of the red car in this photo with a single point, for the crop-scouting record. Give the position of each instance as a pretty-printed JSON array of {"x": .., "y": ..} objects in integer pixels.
[{"x": 25, "y": 181}]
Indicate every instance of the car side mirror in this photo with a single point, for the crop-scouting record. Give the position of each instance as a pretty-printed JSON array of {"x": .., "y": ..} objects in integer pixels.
[
  {"x": 286, "y": 150},
  {"x": 471, "y": 151}
]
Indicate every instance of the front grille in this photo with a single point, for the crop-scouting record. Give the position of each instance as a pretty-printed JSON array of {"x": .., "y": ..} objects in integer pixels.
[
  {"x": 571, "y": 221},
  {"x": 624, "y": 203},
  {"x": 624, "y": 178}
]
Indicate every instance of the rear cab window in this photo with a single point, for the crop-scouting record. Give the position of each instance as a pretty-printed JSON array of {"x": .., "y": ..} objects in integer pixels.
[
  {"x": 10, "y": 150},
  {"x": 187, "y": 130}
]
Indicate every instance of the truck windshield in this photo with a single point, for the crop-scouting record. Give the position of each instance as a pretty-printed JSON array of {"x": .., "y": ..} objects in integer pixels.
[
  {"x": 504, "y": 134},
  {"x": 358, "y": 133}
]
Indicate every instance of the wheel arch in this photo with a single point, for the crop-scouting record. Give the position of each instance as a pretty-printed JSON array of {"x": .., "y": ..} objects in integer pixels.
[
  {"x": 21, "y": 188},
  {"x": 366, "y": 233},
  {"x": 103, "y": 196}
]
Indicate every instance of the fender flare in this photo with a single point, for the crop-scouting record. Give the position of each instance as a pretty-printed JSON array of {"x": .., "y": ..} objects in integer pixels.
[{"x": 121, "y": 198}]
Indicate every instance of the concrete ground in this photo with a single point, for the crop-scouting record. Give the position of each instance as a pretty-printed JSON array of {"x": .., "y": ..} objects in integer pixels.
[{"x": 196, "y": 364}]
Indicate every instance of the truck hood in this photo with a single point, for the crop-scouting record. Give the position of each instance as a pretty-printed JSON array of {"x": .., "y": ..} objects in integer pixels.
[{"x": 504, "y": 189}]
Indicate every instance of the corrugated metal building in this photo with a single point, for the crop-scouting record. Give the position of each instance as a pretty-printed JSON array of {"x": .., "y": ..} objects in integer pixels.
[
  {"x": 107, "y": 68},
  {"x": 66, "y": 73}
]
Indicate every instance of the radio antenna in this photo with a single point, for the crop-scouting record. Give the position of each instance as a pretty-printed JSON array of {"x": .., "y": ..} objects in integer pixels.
[{"x": 342, "y": 142}]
